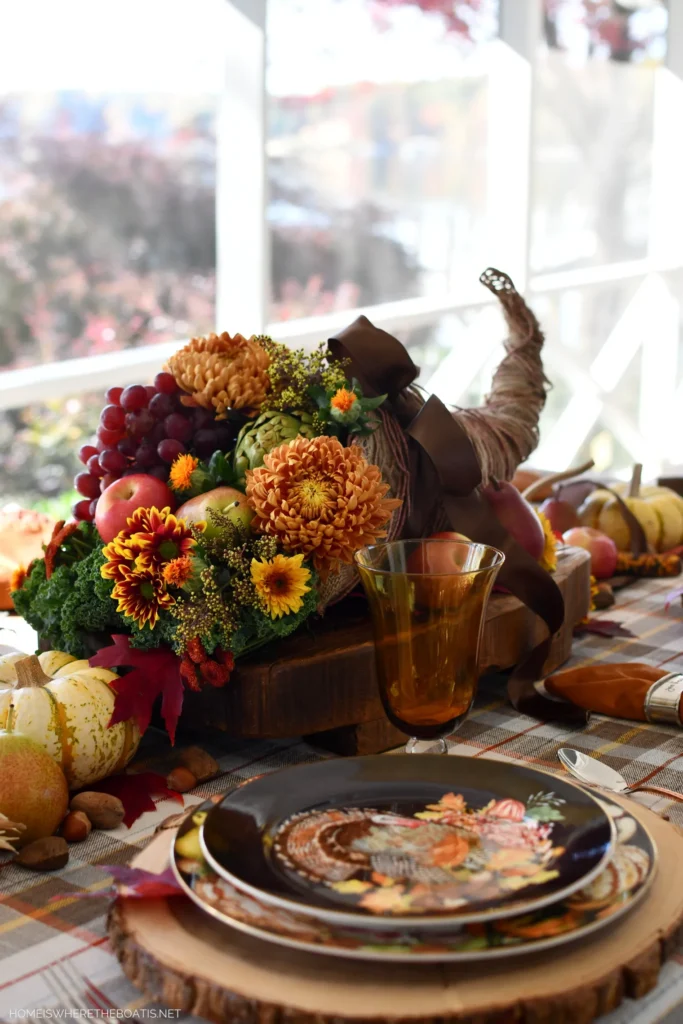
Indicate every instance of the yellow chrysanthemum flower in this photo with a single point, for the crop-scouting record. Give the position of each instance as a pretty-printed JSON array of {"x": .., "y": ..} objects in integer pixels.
[
  {"x": 180, "y": 477},
  {"x": 548, "y": 559},
  {"x": 280, "y": 583}
]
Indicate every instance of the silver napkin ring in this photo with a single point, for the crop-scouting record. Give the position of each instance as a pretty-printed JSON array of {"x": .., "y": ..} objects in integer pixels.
[{"x": 663, "y": 698}]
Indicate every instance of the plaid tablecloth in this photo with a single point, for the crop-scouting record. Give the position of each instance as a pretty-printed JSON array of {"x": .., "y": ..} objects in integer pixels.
[{"x": 54, "y": 956}]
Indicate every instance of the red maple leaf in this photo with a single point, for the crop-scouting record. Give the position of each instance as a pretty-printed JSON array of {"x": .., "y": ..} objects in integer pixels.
[
  {"x": 137, "y": 792},
  {"x": 602, "y": 627},
  {"x": 152, "y": 673}
]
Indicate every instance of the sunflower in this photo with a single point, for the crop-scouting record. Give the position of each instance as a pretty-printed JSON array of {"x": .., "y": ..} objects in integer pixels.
[
  {"x": 548, "y": 559},
  {"x": 178, "y": 571},
  {"x": 280, "y": 583},
  {"x": 141, "y": 595},
  {"x": 321, "y": 499},
  {"x": 180, "y": 477},
  {"x": 162, "y": 539}
]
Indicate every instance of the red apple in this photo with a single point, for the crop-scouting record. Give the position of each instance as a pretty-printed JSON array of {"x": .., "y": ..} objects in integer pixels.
[
  {"x": 603, "y": 550},
  {"x": 436, "y": 558},
  {"x": 517, "y": 516},
  {"x": 560, "y": 514},
  {"x": 450, "y": 535},
  {"x": 222, "y": 499},
  {"x": 118, "y": 502}
]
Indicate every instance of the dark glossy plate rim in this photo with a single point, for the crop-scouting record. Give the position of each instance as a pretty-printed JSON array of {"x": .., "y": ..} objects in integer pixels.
[{"x": 431, "y": 922}]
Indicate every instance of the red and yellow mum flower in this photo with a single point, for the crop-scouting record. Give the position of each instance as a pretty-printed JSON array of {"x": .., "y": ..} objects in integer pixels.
[
  {"x": 141, "y": 595},
  {"x": 118, "y": 552},
  {"x": 164, "y": 539}
]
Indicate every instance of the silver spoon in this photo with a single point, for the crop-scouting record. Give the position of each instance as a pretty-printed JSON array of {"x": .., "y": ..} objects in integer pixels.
[{"x": 594, "y": 773}]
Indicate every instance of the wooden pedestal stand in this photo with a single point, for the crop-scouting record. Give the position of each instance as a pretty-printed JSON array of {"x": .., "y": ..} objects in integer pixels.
[
  {"x": 322, "y": 683},
  {"x": 182, "y": 957}
]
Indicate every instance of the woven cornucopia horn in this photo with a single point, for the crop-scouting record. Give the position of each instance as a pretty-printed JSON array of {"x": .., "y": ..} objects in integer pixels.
[{"x": 504, "y": 431}]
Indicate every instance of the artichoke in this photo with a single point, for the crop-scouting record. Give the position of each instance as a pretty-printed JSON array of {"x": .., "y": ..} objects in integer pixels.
[{"x": 271, "y": 429}]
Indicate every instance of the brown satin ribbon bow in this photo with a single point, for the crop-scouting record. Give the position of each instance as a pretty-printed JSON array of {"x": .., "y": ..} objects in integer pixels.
[{"x": 444, "y": 471}]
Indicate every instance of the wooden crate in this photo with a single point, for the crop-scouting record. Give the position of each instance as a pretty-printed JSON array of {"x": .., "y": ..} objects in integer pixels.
[{"x": 321, "y": 682}]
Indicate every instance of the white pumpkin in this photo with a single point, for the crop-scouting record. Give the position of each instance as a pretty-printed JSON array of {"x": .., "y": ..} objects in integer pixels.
[{"x": 65, "y": 705}]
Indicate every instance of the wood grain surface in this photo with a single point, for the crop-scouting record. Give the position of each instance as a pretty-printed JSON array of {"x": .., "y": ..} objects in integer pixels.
[{"x": 174, "y": 953}]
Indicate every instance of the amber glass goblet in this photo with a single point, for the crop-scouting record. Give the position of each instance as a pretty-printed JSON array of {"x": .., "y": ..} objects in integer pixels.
[{"x": 428, "y": 603}]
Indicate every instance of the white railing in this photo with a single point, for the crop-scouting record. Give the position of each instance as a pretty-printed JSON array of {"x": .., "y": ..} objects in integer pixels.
[{"x": 243, "y": 257}]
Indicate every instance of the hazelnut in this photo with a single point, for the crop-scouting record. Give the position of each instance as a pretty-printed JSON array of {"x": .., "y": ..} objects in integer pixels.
[
  {"x": 76, "y": 827},
  {"x": 181, "y": 780}
]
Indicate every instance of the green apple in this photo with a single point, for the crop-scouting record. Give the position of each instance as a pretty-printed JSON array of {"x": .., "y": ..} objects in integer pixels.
[{"x": 221, "y": 499}]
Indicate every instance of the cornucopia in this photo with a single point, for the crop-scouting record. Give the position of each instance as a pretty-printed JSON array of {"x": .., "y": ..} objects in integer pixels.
[{"x": 221, "y": 506}]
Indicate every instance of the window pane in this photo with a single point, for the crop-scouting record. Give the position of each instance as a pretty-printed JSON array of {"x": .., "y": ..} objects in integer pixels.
[
  {"x": 107, "y": 175},
  {"x": 615, "y": 359},
  {"x": 39, "y": 451},
  {"x": 377, "y": 146},
  {"x": 593, "y": 132}
]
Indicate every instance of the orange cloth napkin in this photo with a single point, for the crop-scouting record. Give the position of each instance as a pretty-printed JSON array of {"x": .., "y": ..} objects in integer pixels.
[{"x": 617, "y": 690}]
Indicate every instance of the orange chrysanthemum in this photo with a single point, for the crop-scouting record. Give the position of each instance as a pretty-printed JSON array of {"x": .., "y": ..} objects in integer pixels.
[
  {"x": 182, "y": 469},
  {"x": 320, "y": 499},
  {"x": 178, "y": 571},
  {"x": 141, "y": 594},
  {"x": 343, "y": 399},
  {"x": 17, "y": 579},
  {"x": 222, "y": 372}
]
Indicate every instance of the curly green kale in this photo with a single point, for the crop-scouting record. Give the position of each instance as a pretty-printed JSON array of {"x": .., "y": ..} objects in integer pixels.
[{"x": 74, "y": 610}]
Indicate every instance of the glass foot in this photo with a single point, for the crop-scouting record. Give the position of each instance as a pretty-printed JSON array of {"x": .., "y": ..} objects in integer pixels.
[{"x": 415, "y": 746}]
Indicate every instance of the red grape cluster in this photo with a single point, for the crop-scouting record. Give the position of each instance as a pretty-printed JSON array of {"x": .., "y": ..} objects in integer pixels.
[{"x": 143, "y": 428}]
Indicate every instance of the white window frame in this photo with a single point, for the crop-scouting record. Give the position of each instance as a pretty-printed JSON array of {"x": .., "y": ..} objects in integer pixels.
[{"x": 243, "y": 251}]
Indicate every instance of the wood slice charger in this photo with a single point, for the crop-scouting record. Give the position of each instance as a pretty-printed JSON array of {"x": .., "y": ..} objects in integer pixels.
[
  {"x": 321, "y": 683},
  {"x": 185, "y": 959}
]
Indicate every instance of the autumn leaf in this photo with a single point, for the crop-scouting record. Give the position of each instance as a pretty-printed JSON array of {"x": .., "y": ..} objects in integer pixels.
[
  {"x": 602, "y": 627},
  {"x": 152, "y": 673},
  {"x": 137, "y": 792}
]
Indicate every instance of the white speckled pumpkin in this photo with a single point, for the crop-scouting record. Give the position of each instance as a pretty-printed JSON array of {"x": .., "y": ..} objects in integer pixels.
[{"x": 65, "y": 705}]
